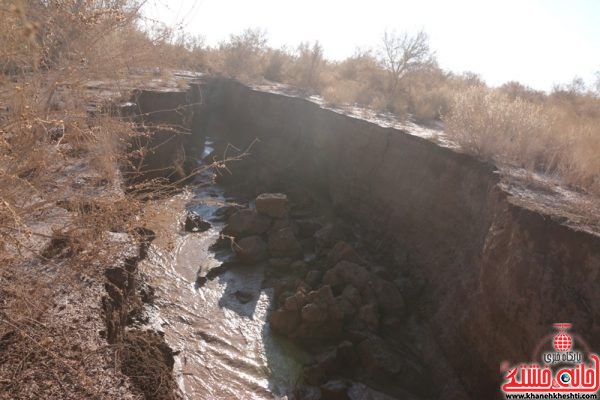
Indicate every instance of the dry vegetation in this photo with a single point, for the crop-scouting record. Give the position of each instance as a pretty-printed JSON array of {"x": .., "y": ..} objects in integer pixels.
[
  {"x": 61, "y": 189},
  {"x": 51, "y": 49},
  {"x": 558, "y": 135}
]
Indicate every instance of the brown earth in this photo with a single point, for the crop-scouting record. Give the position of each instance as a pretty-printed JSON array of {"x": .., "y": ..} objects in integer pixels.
[
  {"x": 499, "y": 268},
  {"x": 149, "y": 362},
  {"x": 500, "y": 261}
]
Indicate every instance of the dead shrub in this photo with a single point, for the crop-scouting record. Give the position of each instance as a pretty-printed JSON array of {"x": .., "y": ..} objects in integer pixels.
[
  {"x": 489, "y": 124},
  {"x": 515, "y": 131},
  {"x": 342, "y": 92},
  {"x": 357, "y": 80},
  {"x": 241, "y": 56},
  {"x": 308, "y": 66},
  {"x": 277, "y": 63}
]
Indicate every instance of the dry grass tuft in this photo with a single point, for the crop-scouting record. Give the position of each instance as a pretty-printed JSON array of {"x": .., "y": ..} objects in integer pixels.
[{"x": 542, "y": 137}]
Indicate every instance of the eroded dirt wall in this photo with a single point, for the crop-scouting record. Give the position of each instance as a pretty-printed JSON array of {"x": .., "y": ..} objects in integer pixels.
[
  {"x": 497, "y": 276},
  {"x": 172, "y": 120}
]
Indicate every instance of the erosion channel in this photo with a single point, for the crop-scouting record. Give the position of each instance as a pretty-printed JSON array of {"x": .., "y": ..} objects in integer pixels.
[{"x": 335, "y": 258}]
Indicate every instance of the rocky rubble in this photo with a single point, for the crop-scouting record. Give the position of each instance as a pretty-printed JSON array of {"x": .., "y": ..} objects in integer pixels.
[
  {"x": 331, "y": 300},
  {"x": 251, "y": 249},
  {"x": 309, "y": 315},
  {"x": 266, "y": 232}
]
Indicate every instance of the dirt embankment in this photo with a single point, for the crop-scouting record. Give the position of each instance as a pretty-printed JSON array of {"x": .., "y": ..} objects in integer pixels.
[
  {"x": 142, "y": 353},
  {"x": 71, "y": 317},
  {"x": 159, "y": 167},
  {"x": 497, "y": 275}
]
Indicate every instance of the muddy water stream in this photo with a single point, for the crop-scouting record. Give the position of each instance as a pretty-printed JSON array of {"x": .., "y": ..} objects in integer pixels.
[{"x": 226, "y": 349}]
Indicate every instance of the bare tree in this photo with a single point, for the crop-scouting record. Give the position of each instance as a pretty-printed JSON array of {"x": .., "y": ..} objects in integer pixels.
[{"x": 402, "y": 53}]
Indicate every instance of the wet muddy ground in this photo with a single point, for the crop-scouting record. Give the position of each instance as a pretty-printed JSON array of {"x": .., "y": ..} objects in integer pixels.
[{"x": 219, "y": 330}]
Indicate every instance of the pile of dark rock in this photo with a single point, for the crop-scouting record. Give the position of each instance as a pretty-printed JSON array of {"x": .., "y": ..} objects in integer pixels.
[
  {"x": 334, "y": 302},
  {"x": 265, "y": 232}
]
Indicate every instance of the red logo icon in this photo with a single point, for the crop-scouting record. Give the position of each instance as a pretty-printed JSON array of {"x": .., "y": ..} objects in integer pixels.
[
  {"x": 562, "y": 342},
  {"x": 567, "y": 366}
]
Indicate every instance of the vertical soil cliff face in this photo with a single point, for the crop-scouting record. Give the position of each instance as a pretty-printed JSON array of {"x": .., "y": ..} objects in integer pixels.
[
  {"x": 172, "y": 119},
  {"x": 497, "y": 275}
]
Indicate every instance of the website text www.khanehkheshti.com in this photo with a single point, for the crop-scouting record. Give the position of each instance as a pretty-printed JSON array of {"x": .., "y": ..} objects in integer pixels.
[{"x": 551, "y": 396}]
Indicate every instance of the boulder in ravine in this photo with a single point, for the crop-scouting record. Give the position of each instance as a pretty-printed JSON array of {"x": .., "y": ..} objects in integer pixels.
[
  {"x": 274, "y": 205},
  {"x": 285, "y": 222},
  {"x": 314, "y": 312},
  {"x": 326, "y": 326},
  {"x": 246, "y": 223},
  {"x": 284, "y": 322},
  {"x": 347, "y": 308},
  {"x": 251, "y": 249},
  {"x": 313, "y": 315},
  {"x": 342, "y": 251},
  {"x": 377, "y": 358},
  {"x": 346, "y": 355},
  {"x": 367, "y": 318},
  {"x": 295, "y": 302},
  {"x": 352, "y": 295},
  {"x": 286, "y": 287},
  {"x": 195, "y": 223},
  {"x": 313, "y": 278},
  {"x": 344, "y": 273},
  {"x": 307, "y": 227},
  {"x": 283, "y": 243},
  {"x": 388, "y": 296},
  {"x": 349, "y": 301}
]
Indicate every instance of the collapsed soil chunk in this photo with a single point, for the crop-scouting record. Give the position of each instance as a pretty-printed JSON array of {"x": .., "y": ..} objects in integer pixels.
[
  {"x": 246, "y": 223},
  {"x": 251, "y": 249},
  {"x": 274, "y": 205},
  {"x": 195, "y": 223},
  {"x": 148, "y": 361}
]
